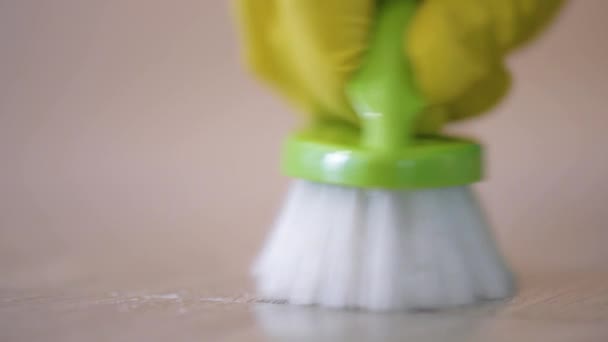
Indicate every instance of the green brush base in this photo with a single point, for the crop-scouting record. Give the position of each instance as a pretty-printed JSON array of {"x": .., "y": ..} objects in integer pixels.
[{"x": 332, "y": 154}]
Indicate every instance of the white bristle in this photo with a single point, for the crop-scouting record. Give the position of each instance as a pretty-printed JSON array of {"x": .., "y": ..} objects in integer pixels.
[{"x": 381, "y": 250}]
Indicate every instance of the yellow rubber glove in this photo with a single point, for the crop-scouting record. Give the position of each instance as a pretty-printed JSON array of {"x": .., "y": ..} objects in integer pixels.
[
  {"x": 458, "y": 48},
  {"x": 308, "y": 49}
]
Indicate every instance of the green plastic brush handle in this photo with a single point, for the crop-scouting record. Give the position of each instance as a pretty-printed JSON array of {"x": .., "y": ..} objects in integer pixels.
[
  {"x": 384, "y": 152},
  {"x": 383, "y": 91}
]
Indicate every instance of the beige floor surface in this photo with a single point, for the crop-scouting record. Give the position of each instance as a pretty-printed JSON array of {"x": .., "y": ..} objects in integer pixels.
[{"x": 546, "y": 309}]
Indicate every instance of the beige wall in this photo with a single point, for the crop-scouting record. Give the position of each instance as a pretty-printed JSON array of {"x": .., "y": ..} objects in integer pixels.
[{"x": 133, "y": 148}]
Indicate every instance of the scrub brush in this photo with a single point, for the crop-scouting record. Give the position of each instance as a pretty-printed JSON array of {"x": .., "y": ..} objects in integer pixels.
[{"x": 382, "y": 217}]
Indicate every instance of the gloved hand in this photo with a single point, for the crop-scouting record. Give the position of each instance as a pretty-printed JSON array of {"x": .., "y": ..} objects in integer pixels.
[
  {"x": 458, "y": 49},
  {"x": 309, "y": 49}
]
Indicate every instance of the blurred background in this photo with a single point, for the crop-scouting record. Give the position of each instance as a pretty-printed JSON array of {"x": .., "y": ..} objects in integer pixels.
[{"x": 135, "y": 151}]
